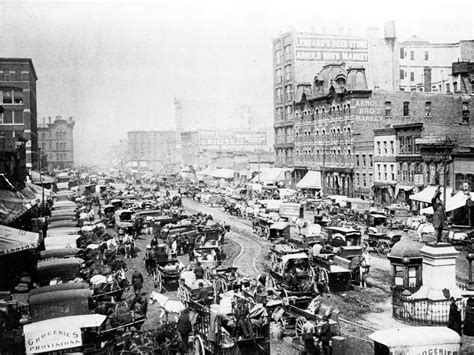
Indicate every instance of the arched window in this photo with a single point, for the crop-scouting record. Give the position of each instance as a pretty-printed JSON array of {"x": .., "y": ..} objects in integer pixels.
[
  {"x": 57, "y": 135},
  {"x": 338, "y": 108},
  {"x": 349, "y": 109},
  {"x": 316, "y": 113},
  {"x": 348, "y": 132},
  {"x": 57, "y": 146},
  {"x": 323, "y": 112}
]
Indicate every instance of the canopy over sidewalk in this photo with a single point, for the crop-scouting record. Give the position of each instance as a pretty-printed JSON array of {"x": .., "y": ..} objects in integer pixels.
[
  {"x": 15, "y": 240},
  {"x": 312, "y": 180},
  {"x": 428, "y": 193}
]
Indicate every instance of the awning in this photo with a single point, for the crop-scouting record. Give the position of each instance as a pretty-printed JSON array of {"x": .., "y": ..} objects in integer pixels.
[
  {"x": 270, "y": 175},
  {"x": 15, "y": 240},
  {"x": 12, "y": 206},
  {"x": 38, "y": 178},
  {"x": 428, "y": 193},
  {"x": 312, "y": 180},
  {"x": 58, "y": 333}
]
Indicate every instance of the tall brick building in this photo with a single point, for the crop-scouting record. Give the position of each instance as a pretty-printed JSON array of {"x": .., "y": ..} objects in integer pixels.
[
  {"x": 56, "y": 140},
  {"x": 297, "y": 56},
  {"x": 18, "y": 99},
  {"x": 335, "y": 118}
]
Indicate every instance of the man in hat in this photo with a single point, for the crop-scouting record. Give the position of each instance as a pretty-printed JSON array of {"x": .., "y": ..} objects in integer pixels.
[
  {"x": 203, "y": 293},
  {"x": 150, "y": 261},
  {"x": 325, "y": 335},
  {"x": 137, "y": 281},
  {"x": 308, "y": 337},
  {"x": 199, "y": 271},
  {"x": 454, "y": 320},
  {"x": 184, "y": 327}
]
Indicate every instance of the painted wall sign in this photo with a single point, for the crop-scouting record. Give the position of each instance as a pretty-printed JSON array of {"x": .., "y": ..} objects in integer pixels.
[
  {"x": 53, "y": 339},
  {"x": 368, "y": 110},
  {"x": 323, "y": 48}
]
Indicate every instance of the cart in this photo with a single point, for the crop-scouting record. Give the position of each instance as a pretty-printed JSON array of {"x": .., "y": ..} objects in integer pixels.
[
  {"x": 223, "y": 337},
  {"x": 167, "y": 271},
  {"x": 381, "y": 242}
]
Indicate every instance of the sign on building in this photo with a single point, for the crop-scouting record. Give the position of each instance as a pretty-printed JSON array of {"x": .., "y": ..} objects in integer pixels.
[
  {"x": 232, "y": 141},
  {"x": 330, "y": 49}
]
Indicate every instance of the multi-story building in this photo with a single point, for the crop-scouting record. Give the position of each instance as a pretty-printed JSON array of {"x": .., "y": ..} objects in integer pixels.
[
  {"x": 18, "y": 122},
  {"x": 426, "y": 66},
  {"x": 298, "y": 56},
  {"x": 335, "y": 118},
  {"x": 152, "y": 150},
  {"x": 56, "y": 141},
  {"x": 385, "y": 165},
  {"x": 222, "y": 149}
]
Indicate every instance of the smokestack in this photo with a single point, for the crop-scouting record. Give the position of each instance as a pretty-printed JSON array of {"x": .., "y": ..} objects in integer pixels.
[
  {"x": 356, "y": 79},
  {"x": 427, "y": 79}
]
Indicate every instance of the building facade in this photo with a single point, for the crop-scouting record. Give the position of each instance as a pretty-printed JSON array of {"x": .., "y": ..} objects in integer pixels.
[
  {"x": 385, "y": 165},
  {"x": 56, "y": 141},
  {"x": 152, "y": 150},
  {"x": 426, "y": 66},
  {"x": 222, "y": 149},
  {"x": 297, "y": 56},
  {"x": 18, "y": 122},
  {"x": 335, "y": 119}
]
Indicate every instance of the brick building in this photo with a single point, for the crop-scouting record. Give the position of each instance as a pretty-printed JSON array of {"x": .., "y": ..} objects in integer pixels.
[
  {"x": 152, "y": 150},
  {"x": 56, "y": 140},
  {"x": 18, "y": 99},
  {"x": 426, "y": 66},
  {"x": 335, "y": 118},
  {"x": 297, "y": 56}
]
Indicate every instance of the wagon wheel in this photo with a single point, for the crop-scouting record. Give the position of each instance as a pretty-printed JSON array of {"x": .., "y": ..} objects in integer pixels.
[
  {"x": 300, "y": 321},
  {"x": 159, "y": 282},
  {"x": 382, "y": 248},
  {"x": 198, "y": 346}
]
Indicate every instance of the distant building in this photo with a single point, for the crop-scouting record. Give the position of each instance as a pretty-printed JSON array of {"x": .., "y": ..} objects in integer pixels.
[
  {"x": 222, "y": 149},
  {"x": 152, "y": 150},
  {"x": 426, "y": 66},
  {"x": 297, "y": 56},
  {"x": 18, "y": 99},
  {"x": 56, "y": 140}
]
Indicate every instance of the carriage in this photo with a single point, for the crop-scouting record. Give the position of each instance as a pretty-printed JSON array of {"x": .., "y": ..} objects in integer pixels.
[
  {"x": 382, "y": 242},
  {"x": 167, "y": 271},
  {"x": 64, "y": 269},
  {"x": 268, "y": 228},
  {"x": 217, "y": 331},
  {"x": 291, "y": 274},
  {"x": 108, "y": 213},
  {"x": 188, "y": 287}
]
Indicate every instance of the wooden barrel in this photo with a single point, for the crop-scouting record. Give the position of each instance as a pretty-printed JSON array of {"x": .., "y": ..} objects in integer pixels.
[{"x": 276, "y": 333}]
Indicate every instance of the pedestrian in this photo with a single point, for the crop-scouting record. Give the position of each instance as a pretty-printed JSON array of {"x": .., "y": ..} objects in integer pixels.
[
  {"x": 439, "y": 215},
  {"x": 190, "y": 251},
  {"x": 137, "y": 281},
  {"x": 150, "y": 261},
  {"x": 325, "y": 335},
  {"x": 454, "y": 320},
  {"x": 308, "y": 337},
  {"x": 184, "y": 328},
  {"x": 364, "y": 267},
  {"x": 199, "y": 271}
]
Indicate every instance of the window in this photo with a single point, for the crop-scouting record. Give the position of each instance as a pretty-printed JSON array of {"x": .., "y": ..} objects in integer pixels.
[
  {"x": 357, "y": 179},
  {"x": 364, "y": 180},
  {"x": 428, "y": 109},
  {"x": 412, "y": 271},
  {"x": 6, "y": 75},
  {"x": 398, "y": 273},
  {"x": 7, "y": 117},
  {"x": 385, "y": 176},
  {"x": 18, "y": 116},
  {"x": 388, "y": 108},
  {"x": 455, "y": 87},
  {"x": 412, "y": 55},
  {"x": 406, "y": 108},
  {"x": 448, "y": 88},
  {"x": 379, "y": 152},
  {"x": 385, "y": 151},
  {"x": 427, "y": 56},
  {"x": 392, "y": 172},
  {"x": 465, "y": 112},
  {"x": 379, "y": 172},
  {"x": 371, "y": 162},
  {"x": 371, "y": 179},
  {"x": 349, "y": 109},
  {"x": 357, "y": 160},
  {"x": 8, "y": 96},
  {"x": 364, "y": 163},
  {"x": 412, "y": 76},
  {"x": 402, "y": 53},
  {"x": 402, "y": 74},
  {"x": 391, "y": 148}
]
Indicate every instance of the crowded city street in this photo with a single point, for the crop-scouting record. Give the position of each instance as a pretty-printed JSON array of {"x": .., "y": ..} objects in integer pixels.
[{"x": 219, "y": 177}]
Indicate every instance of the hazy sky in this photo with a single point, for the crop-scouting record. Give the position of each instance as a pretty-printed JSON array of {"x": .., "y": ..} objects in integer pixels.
[{"x": 117, "y": 65}]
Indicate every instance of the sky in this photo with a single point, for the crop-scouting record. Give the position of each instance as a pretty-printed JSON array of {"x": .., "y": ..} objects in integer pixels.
[{"x": 117, "y": 66}]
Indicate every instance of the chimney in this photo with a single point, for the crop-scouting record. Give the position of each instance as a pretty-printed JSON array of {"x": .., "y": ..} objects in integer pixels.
[
  {"x": 356, "y": 79},
  {"x": 390, "y": 30},
  {"x": 427, "y": 79}
]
